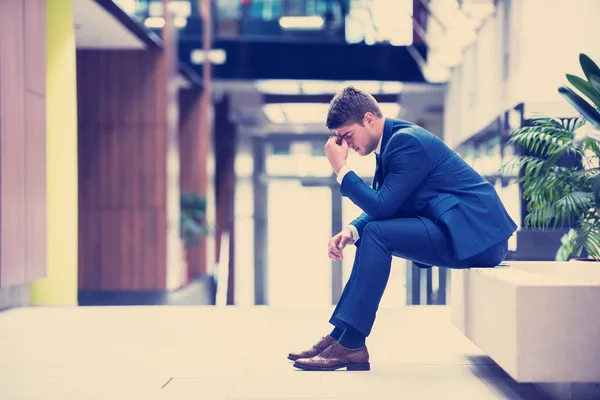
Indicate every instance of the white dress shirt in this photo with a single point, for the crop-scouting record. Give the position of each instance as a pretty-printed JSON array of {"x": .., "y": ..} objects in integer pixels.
[{"x": 340, "y": 176}]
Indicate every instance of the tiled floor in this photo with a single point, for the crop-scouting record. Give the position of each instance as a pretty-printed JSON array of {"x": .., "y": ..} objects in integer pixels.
[{"x": 190, "y": 352}]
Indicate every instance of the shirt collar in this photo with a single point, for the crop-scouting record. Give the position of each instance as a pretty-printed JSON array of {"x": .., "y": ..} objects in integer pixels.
[{"x": 378, "y": 149}]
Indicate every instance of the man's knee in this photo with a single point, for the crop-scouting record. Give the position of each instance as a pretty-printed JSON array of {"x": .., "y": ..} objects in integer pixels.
[{"x": 372, "y": 230}]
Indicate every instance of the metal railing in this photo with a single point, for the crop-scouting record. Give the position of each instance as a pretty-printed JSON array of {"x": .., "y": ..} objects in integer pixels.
[
  {"x": 221, "y": 275},
  {"x": 426, "y": 286}
]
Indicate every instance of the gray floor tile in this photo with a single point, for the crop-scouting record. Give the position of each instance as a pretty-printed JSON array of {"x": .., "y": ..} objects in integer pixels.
[{"x": 232, "y": 353}]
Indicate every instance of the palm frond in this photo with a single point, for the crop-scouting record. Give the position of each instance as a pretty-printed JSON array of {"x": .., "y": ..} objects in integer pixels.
[
  {"x": 531, "y": 164},
  {"x": 587, "y": 237},
  {"x": 583, "y": 179},
  {"x": 541, "y": 140},
  {"x": 554, "y": 184},
  {"x": 567, "y": 246},
  {"x": 536, "y": 173},
  {"x": 546, "y": 189},
  {"x": 546, "y": 136},
  {"x": 591, "y": 144},
  {"x": 545, "y": 212},
  {"x": 572, "y": 124},
  {"x": 571, "y": 206},
  {"x": 540, "y": 217},
  {"x": 560, "y": 150}
]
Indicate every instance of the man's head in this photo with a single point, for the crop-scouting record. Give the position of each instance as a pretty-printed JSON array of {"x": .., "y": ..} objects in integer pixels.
[{"x": 355, "y": 117}]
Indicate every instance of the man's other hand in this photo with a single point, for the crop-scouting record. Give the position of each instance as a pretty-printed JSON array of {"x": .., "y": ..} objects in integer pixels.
[{"x": 338, "y": 242}]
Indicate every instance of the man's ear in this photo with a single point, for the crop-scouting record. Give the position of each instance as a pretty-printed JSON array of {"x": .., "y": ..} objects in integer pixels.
[{"x": 369, "y": 118}]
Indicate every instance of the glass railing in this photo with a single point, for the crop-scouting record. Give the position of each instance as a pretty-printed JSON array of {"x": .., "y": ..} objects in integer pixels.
[
  {"x": 150, "y": 13},
  {"x": 318, "y": 19},
  {"x": 347, "y": 21}
]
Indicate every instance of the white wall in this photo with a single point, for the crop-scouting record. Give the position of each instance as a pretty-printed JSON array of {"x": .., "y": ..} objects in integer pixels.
[
  {"x": 543, "y": 39},
  {"x": 564, "y": 29}
]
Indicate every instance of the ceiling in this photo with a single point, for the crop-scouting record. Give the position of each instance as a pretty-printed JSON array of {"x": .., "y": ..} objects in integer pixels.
[
  {"x": 96, "y": 28},
  {"x": 248, "y": 109}
]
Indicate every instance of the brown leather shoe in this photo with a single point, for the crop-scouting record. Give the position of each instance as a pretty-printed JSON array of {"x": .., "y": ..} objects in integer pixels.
[
  {"x": 321, "y": 345},
  {"x": 335, "y": 357}
]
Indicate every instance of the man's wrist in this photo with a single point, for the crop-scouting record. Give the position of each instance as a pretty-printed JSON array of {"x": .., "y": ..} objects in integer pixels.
[
  {"x": 339, "y": 167},
  {"x": 353, "y": 232},
  {"x": 341, "y": 173}
]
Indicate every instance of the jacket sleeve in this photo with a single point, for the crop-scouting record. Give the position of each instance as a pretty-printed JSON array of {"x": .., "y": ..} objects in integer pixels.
[
  {"x": 407, "y": 164},
  {"x": 360, "y": 222}
]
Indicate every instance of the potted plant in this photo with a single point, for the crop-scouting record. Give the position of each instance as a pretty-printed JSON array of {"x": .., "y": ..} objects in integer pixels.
[
  {"x": 192, "y": 218},
  {"x": 559, "y": 168}
]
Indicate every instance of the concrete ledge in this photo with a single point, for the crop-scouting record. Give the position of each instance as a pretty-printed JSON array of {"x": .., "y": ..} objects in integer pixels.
[
  {"x": 14, "y": 296},
  {"x": 537, "y": 320}
]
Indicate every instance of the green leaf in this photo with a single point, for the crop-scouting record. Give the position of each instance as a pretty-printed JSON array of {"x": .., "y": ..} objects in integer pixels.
[
  {"x": 587, "y": 236},
  {"x": 566, "y": 248},
  {"x": 595, "y": 81},
  {"x": 582, "y": 106},
  {"x": 542, "y": 139},
  {"x": 591, "y": 143},
  {"x": 561, "y": 151},
  {"x": 574, "y": 204},
  {"x": 572, "y": 124},
  {"x": 597, "y": 192},
  {"x": 588, "y": 66},
  {"x": 540, "y": 218},
  {"x": 585, "y": 88}
]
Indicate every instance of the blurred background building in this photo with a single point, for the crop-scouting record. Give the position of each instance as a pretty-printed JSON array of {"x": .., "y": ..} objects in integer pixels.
[{"x": 171, "y": 151}]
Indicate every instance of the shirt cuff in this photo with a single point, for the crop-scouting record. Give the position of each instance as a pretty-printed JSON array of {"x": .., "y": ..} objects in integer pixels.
[
  {"x": 355, "y": 235},
  {"x": 340, "y": 176}
]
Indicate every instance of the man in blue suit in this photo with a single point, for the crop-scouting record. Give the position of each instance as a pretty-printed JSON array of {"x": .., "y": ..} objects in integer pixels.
[{"x": 426, "y": 205}]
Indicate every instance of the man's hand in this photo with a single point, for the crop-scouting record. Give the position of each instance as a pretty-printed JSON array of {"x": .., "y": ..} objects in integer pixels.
[
  {"x": 336, "y": 150},
  {"x": 338, "y": 242}
]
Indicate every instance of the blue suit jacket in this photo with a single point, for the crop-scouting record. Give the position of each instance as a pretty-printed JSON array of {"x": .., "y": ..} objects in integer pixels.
[{"x": 422, "y": 177}]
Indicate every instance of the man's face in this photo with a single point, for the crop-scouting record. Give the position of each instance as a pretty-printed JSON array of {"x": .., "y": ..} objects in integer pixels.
[{"x": 360, "y": 138}]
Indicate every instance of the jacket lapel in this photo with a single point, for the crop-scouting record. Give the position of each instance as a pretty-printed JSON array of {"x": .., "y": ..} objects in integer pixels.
[
  {"x": 387, "y": 134},
  {"x": 388, "y": 128},
  {"x": 376, "y": 182}
]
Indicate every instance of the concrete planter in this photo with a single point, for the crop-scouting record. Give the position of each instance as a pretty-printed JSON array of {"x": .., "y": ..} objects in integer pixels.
[{"x": 538, "y": 321}]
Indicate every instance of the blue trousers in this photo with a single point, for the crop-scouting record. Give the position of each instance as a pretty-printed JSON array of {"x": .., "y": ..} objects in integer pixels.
[{"x": 407, "y": 238}]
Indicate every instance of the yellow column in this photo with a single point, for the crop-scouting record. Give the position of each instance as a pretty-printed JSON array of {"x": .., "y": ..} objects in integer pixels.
[{"x": 60, "y": 285}]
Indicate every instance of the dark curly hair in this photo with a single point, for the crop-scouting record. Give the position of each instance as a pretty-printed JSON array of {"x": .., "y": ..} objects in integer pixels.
[{"x": 349, "y": 107}]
